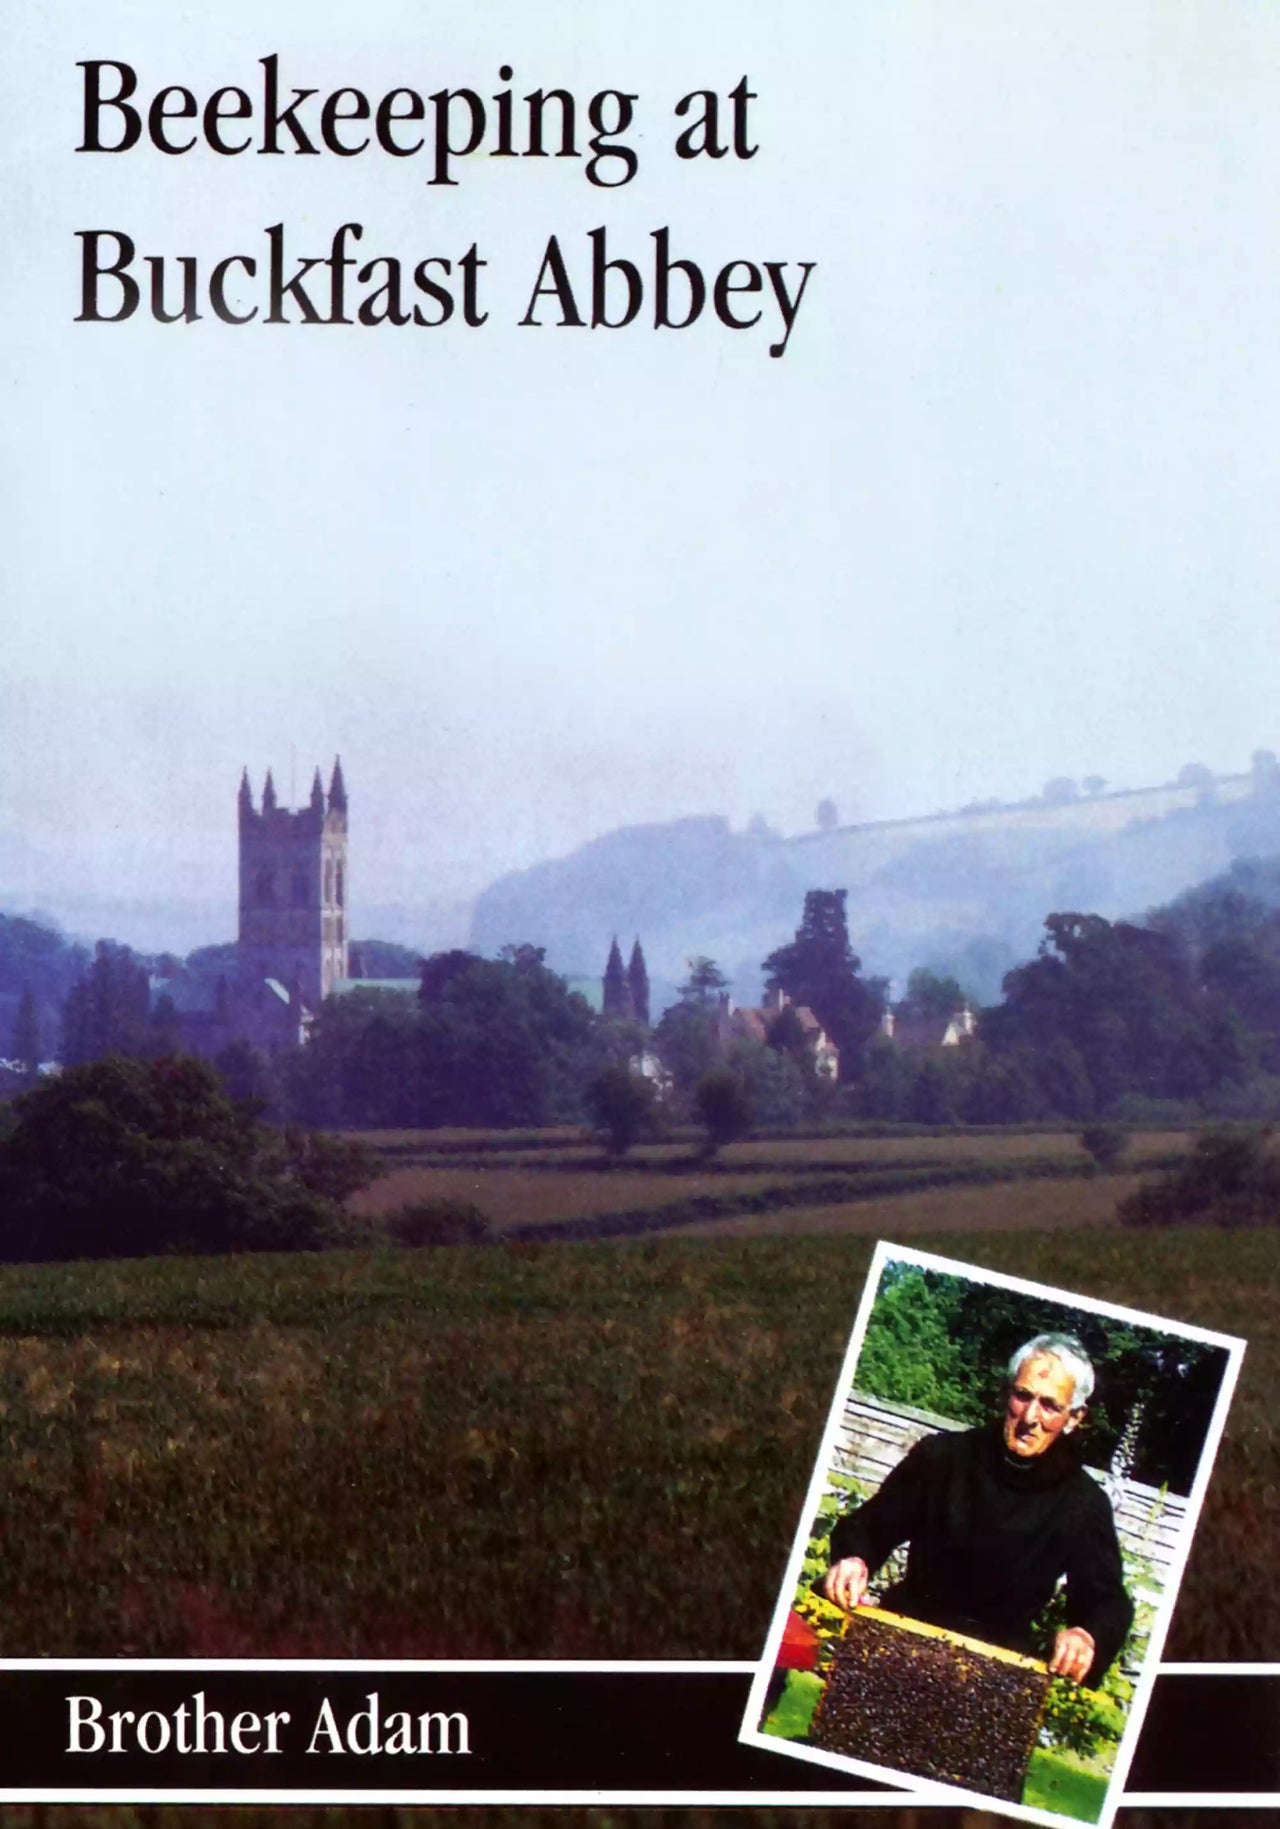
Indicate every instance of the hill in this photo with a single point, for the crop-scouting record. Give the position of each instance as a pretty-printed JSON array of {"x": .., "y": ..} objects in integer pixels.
[{"x": 965, "y": 893}]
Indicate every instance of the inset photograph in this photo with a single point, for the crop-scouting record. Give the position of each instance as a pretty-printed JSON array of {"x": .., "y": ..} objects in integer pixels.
[{"x": 993, "y": 1540}]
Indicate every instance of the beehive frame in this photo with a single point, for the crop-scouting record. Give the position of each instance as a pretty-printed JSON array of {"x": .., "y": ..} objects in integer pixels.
[{"x": 930, "y": 1703}]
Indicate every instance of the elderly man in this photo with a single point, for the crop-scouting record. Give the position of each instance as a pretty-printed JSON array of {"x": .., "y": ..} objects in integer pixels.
[{"x": 994, "y": 1517}]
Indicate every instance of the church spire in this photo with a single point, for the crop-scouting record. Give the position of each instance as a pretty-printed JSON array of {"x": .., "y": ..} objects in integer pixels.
[
  {"x": 617, "y": 991},
  {"x": 269, "y": 794},
  {"x": 317, "y": 793},
  {"x": 245, "y": 796},
  {"x": 337, "y": 789},
  {"x": 638, "y": 983}
]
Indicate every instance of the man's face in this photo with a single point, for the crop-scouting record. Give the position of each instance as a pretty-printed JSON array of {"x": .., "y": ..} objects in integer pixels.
[{"x": 1039, "y": 1406}]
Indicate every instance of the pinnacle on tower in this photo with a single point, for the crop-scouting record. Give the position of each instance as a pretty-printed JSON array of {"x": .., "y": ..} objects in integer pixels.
[
  {"x": 268, "y": 794},
  {"x": 246, "y": 794},
  {"x": 317, "y": 793},
  {"x": 337, "y": 789}
]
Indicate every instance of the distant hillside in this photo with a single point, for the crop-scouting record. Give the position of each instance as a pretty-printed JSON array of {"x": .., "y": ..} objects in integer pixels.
[{"x": 965, "y": 892}]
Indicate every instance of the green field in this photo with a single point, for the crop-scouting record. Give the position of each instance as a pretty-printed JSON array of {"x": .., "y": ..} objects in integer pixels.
[{"x": 593, "y": 1450}]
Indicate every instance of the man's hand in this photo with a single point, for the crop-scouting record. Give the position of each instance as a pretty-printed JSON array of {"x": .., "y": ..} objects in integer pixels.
[
  {"x": 845, "y": 1582},
  {"x": 1073, "y": 1651}
]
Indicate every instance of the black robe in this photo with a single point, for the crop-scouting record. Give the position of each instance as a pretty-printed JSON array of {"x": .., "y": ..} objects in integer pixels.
[{"x": 990, "y": 1535}]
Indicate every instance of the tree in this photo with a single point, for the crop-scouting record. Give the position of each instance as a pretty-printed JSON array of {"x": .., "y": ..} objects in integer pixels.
[
  {"x": 779, "y": 1086},
  {"x": 821, "y": 970},
  {"x": 1109, "y": 1008},
  {"x": 686, "y": 1037},
  {"x": 930, "y": 994},
  {"x": 931, "y": 1096},
  {"x": 1106, "y": 1143},
  {"x": 245, "y": 1074},
  {"x": 487, "y": 1042},
  {"x": 127, "y": 1158},
  {"x": 1094, "y": 785},
  {"x": 1229, "y": 1178},
  {"x": 621, "y": 1105},
  {"x": 502, "y": 1042},
  {"x": 109, "y": 1010},
  {"x": 885, "y": 1084},
  {"x": 1061, "y": 791},
  {"x": 825, "y": 816},
  {"x": 704, "y": 984},
  {"x": 32, "y": 953},
  {"x": 721, "y": 1106}
]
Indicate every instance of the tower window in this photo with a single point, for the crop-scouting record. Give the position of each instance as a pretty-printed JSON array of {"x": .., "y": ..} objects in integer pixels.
[
  {"x": 264, "y": 889},
  {"x": 299, "y": 889},
  {"x": 328, "y": 880},
  {"x": 342, "y": 887}
]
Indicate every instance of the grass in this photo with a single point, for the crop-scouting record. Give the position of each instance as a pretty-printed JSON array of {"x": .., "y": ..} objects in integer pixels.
[
  {"x": 1056, "y": 1781},
  {"x": 557, "y": 1451}
]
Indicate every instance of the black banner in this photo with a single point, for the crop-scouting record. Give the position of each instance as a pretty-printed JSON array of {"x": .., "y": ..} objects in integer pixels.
[{"x": 624, "y": 1733}]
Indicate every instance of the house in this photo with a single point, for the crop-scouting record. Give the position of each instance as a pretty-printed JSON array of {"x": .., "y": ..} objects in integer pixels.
[
  {"x": 757, "y": 1024},
  {"x": 921, "y": 1033}
]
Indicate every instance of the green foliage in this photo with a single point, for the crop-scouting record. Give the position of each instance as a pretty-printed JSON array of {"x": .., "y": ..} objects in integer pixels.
[
  {"x": 246, "y": 1075},
  {"x": 968, "y": 1085},
  {"x": 704, "y": 984},
  {"x": 793, "y": 1712},
  {"x": 909, "y": 1354},
  {"x": 488, "y": 1042},
  {"x": 932, "y": 994},
  {"x": 779, "y": 1086},
  {"x": 1230, "y": 1178},
  {"x": 622, "y": 1108},
  {"x": 384, "y": 959},
  {"x": 34, "y": 954},
  {"x": 932, "y": 1100},
  {"x": 943, "y": 1343},
  {"x": 1106, "y": 1143},
  {"x": 821, "y": 970},
  {"x": 109, "y": 1010},
  {"x": 1085, "y": 1721},
  {"x": 687, "y": 1044},
  {"x": 1109, "y": 1009},
  {"x": 125, "y": 1158},
  {"x": 723, "y": 1108},
  {"x": 439, "y": 1222}
]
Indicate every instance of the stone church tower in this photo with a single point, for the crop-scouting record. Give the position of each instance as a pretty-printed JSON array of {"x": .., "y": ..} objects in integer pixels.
[{"x": 293, "y": 888}]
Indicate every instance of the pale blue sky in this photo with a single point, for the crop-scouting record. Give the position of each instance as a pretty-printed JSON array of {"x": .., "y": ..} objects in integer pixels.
[{"x": 1005, "y": 510}]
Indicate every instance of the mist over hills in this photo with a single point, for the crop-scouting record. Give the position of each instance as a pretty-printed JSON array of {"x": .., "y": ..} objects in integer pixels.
[{"x": 965, "y": 893}]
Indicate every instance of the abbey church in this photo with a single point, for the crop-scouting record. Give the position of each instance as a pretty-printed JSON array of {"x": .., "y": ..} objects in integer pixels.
[
  {"x": 293, "y": 888},
  {"x": 293, "y": 943}
]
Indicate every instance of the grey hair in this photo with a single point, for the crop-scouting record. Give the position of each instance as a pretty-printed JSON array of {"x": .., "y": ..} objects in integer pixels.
[{"x": 1071, "y": 1356}]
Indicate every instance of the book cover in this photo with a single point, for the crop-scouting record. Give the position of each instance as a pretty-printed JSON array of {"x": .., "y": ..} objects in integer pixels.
[{"x": 562, "y": 485}]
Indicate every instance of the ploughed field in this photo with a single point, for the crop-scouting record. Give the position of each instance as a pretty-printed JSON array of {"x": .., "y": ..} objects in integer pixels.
[
  {"x": 539, "y": 1183},
  {"x": 586, "y": 1450}
]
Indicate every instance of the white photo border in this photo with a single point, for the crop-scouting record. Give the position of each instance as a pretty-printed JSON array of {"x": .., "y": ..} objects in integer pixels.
[{"x": 932, "y": 1789}]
